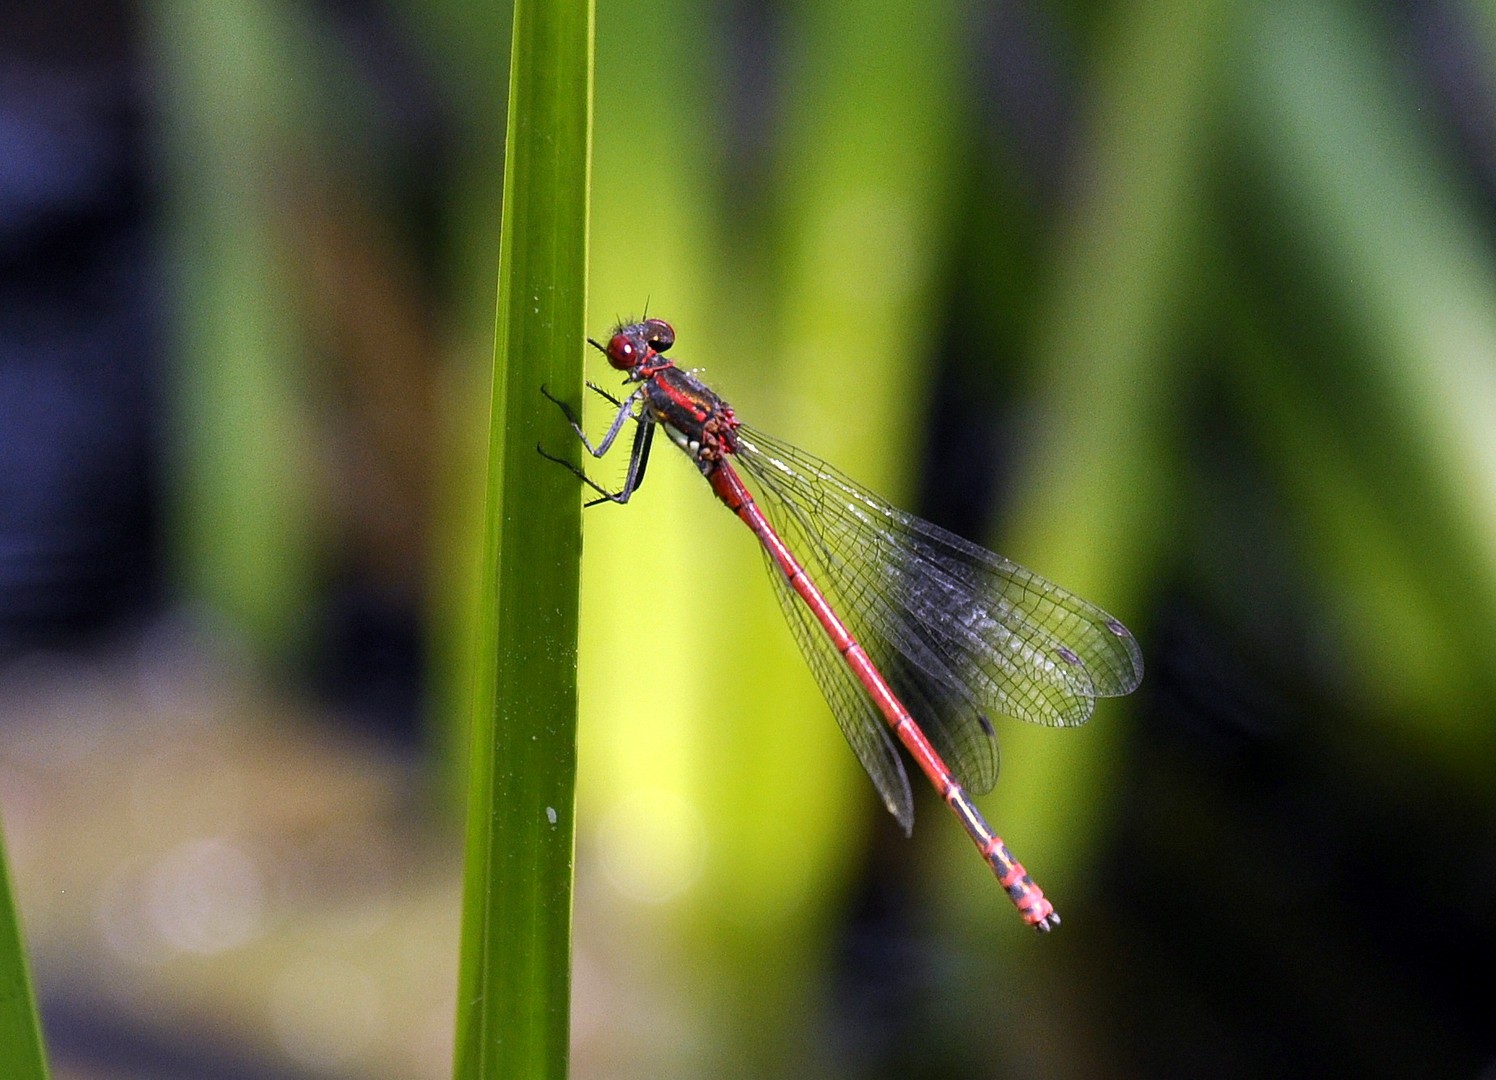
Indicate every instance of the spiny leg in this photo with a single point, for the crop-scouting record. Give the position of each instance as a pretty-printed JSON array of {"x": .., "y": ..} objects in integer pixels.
[
  {"x": 625, "y": 413},
  {"x": 638, "y": 454}
]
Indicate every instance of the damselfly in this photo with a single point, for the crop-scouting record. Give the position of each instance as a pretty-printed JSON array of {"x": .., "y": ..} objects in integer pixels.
[{"x": 908, "y": 628}]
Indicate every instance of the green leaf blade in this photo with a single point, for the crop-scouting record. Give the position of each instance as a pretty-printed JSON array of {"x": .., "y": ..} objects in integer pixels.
[
  {"x": 21, "y": 1053},
  {"x": 514, "y": 982}
]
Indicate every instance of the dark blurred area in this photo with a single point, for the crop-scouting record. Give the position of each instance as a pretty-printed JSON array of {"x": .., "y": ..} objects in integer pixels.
[
  {"x": 83, "y": 307},
  {"x": 228, "y": 828}
]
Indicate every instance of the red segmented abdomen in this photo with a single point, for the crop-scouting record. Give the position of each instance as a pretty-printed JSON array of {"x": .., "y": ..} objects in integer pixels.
[{"x": 1026, "y": 896}]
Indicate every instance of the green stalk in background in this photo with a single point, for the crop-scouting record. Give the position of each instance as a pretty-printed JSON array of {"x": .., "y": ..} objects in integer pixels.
[
  {"x": 860, "y": 229},
  {"x": 1387, "y": 451},
  {"x": 1094, "y": 507},
  {"x": 514, "y": 983},
  {"x": 242, "y": 519},
  {"x": 21, "y": 1056}
]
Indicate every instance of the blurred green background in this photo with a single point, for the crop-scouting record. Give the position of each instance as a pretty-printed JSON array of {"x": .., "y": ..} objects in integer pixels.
[{"x": 1187, "y": 305}]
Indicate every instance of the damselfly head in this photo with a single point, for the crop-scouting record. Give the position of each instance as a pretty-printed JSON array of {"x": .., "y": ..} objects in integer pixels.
[{"x": 632, "y": 344}]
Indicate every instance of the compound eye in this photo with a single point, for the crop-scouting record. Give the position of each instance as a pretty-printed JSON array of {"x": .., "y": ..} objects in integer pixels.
[
  {"x": 621, "y": 352},
  {"x": 659, "y": 334}
]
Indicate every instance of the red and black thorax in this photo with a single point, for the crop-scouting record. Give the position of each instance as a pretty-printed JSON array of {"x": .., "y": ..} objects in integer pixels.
[{"x": 697, "y": 419}]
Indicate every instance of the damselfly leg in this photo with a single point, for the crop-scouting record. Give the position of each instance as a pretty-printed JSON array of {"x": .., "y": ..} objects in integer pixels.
[{"x": 638, "y": 454}]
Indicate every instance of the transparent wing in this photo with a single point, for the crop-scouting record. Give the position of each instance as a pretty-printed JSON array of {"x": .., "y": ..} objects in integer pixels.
[
  {"x": 860, "y": 722},
  {"x": 958, "y": 630}
]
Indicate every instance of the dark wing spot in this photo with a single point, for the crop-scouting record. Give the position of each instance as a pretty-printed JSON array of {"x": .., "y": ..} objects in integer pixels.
[
  {"x": 1117, "y": 628},
  {"x": 986, "y": 724},
  {"x": 1068, "y": 656}
]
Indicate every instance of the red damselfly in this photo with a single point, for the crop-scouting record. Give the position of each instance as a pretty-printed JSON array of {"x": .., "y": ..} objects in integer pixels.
[{"x": 908, "y": 628}]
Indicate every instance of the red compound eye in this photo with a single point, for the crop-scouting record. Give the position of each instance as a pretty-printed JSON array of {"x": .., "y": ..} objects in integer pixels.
[
  {"x": 622, "y": 352},
  {"x": 659, "y": 334}
]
